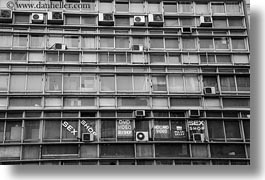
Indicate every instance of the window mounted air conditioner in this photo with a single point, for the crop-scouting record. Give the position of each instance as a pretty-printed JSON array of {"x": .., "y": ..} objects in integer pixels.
[
  {"x": 198, "y": 137},
  {"x": 141, "y": 136},
  {"x": 139, "y": 113},
  {"x": 209, "y": 90},
  {"x": 37, "y": 18},
  {"x": 206, "y": 21},
  {"x": 87, "y": 137},
  {"x": 186, "y": 30},
  {"x": 6, "y": 15},
  {"x": 139, "y": 20},
  {"x": 55, "y": 17},
  {"x": 106, "y": 19},
  {"x": 194, "y": 113},
  {"x": 59, "y": 46},
  {"x": 155, "y": 19},
  {"x": 138, "y": 47}
]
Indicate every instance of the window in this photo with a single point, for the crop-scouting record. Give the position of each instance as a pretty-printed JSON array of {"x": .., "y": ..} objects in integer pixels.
[
  {"x": 218, "y": 8},
  {"x": 53, "y": 57},
  {"x": 52, "y": 129},
  {"x": 243, "y": 83},
  {"x": 156, "y": 43},
  {"x": 137, "y": 6},
  {"x": 116, "y": 150},
  {"x": 108, "y": 129},
  {"x": 25, "y": 102},
  {"x": 171, "y": 150},
  {"x": 210, "y": 81},
  {"x": 199, "y": 150},
  {"x": 34, "y": 83},
  {"x": 88, "y": 151},
  {"x": 53, "y": 102},
  {"x": 107, "y": 83},
  {"x": 135, "y": 102},
  {"x": 71, "y": 82},
  {"x": 170, "y": 7},
  {"x": 171, "y": 22},
  {"x": 156, "y": 58},
  {"x": 122, "y": 7},
  {"x": 185, "y": 7},
  {"x": 178, "y": 130},
  {"x": 190, "y": 59},
  {"x": 188, "y": 43},
  {"x": 206, "y": 43},
  {"x": 172, "y": 43},
  {"x": 72, "y": 20},
  {"x": 239, "y": 59},
  {"x": 59, "y": 150},
  {"x": 2, "y": 127},
  {"x": 232, "y": 129},
  {"x": 4, "y": 82},
  {"x": 160, "y": 102},
  {"x": 159, "y": 83},
  {"x": 31, "y": 130},
  {"x": 88, "y": 83},
  {"x": 107, "y": 102},
  {"x": 4, "y": 56},
  {"x": 36, "y": 57},
  {"x": 107, "y": 42},
  {"x": 227, "y": 151},
  {"x": 144, "y": 150},
  {"x": 188, "y": 102},
  {"x": 13, "y": 130},
  {"x": 5, "y": 40},
  {"x": 72, "y": 134},
  {"x": 212, "y": 103},
  {"x": 71, "y": 41},
  {"x": 22, "y": 18},
  {"x": 10, "y": 152},
  {"x": 89, "y": 20},
  {"x": 233, "y": 7},
  {"x": 154, "y": 7},
  {"x": 173, "y": 58},
  {"x": 187, "y": 22},
  {"x": 125, "y": 130},
  {"x": 54, "y": 39},
  {"x": 238, "y": 44},
  {"x": 235, "y": 22},
  {"x": 219, "y": 23},
  {"x": 20, "y": 41},
  {"x": 122, "y": 42},
  {"x": 105, "y": 6},
  {"x": 36, "y": 41},
  {"x": 192, "y": 83},
  {"x": 236, "y": 103},
  {"x": 176, "y": 83},
  {"x": 30, "y": 152},
  {"x": 17, "y": 82},
  {"x": 246, "y": 126},
  {"x": 124, "y": 83},
  {"x": 140, "y": 83},
  {"x": 54, "y": 82},
  {"x": 202, "y": 8},
  {"x": 19, "y": 56},
  {"x": 79, "y": 102},
  {"x": 221, "y": 43},
  {"x": 227, "y": 83}
]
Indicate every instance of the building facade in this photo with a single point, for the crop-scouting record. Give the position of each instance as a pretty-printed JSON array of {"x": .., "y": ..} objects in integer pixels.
[{"x": 124, "y": 82}]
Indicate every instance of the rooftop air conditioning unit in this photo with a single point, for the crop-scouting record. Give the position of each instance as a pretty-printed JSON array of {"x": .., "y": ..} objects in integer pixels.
[
  {"x": 106, "y": 19},
  {"x": 155, "y": 19},
  {"x": 59, "y": 46},
  {"x": 37, "y": 18},
  {"x": 194, "y": 113},
  {"x": 87, "y": 137},
  {"x": 141, "y": 136},
  {"x": 137, "y": 48},
  {"x": 6, "y": 15},
  {"x": 206, "y": 21},
  {"x": 139, "y": 20},
  {"x": 186, "y": 30},
  {"x": 139, "y": 113},
  {"x": 209, "y": 90},
  {"x": 55, "y": 17},
  {"x": 198, "y": 137}
]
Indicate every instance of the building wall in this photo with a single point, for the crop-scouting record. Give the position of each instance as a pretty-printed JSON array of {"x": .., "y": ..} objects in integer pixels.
[{"x": 173, "y": 92}]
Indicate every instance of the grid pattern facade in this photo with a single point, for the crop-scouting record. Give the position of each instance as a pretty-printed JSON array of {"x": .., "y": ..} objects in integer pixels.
[{"x": 79, "y": 89}]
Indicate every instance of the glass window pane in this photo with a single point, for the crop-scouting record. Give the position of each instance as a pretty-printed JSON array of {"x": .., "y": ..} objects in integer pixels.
[
  {"x": 121, "y": 42},
  {"x": 3, "y": 82},
  {"x": 13, "y": 130},
  {"x": 31, "y": 131},
  {"x": 176, "y": 83},
  {"x": 34, "y": 83},
  {"x": 108, "y": 129},
  {"x": 202, "y": 8},
  {"x": 161, "y": 129},
  {"x": 228, "y": 83},
  {"x": 232, "y": 129},
  {"x": 243, "y": 83},
  {"x": 89, "y": 42},
  {"x": 70, "y": 129},
  {"x": 117, "y": 150},
  {"x": 144, "y": 150},
  {"x": 124, "y": 83},
  {"x": 71, "y": 83},
  {"x": 106, "y": 42},
  {"x": 238, "y": 44},
  {"x": 215, "y": 130},
  {"x": 218, "y": 7},
  {"x": 5, "y": 40},
  {"x": 199, "y": 150},
  {"x": 30, "y": 152},
  {"x": 171, "y": 150},
  {"x": 159, "y": 83},
  {"x": 52, "y": 130},
  {"x": 17, "y": 83},
  {"x": 188, "y": 43},
  {"x": 192, "y": 83},
  {"x": 156, "y": 43},
  {"x": 227, "y": 151},
  {"x": 54, "y": 83},
  {"x": 107, "y": 83}
]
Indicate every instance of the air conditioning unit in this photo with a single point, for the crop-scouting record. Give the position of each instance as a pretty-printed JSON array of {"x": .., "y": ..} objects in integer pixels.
[
  {"x": 139, "y": 20},
  {"x": 37, "y": 18},
  {"x": 55, "y": 17},
  {"x": 198, "y": 137},
  {"x": 206, "y": 21},
  {"x": 155, "y": 19},
  {"x": 186, "y": 30},
  {"x": 59, "y": 46},
  {"x": 106, "y": 19},
  {"x": 137, "y": 47},
  {"x": 6, "y": 15},
  {"x": 194, "y": 113},
  {"x": 139, "y": 113},
  {"x": 87, "y": 137},
  {"x": 209, "y": 90},
  {"x": 141, "y": 136}
]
